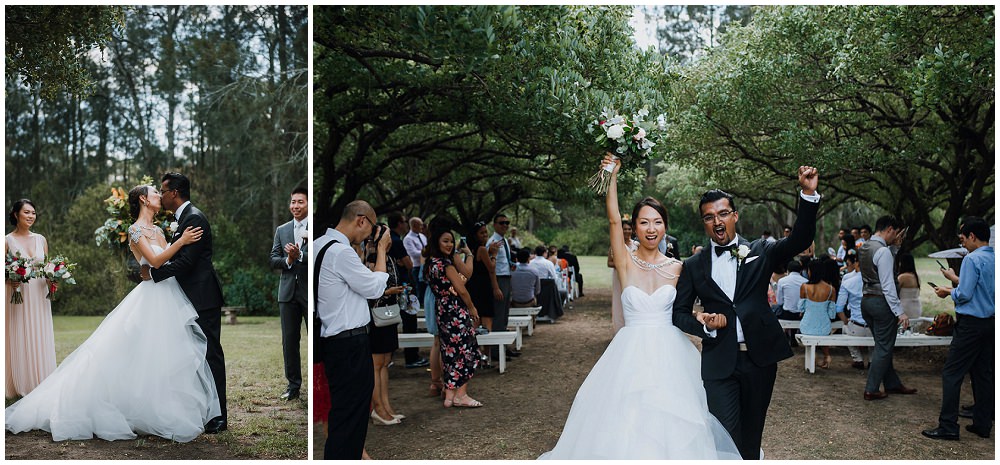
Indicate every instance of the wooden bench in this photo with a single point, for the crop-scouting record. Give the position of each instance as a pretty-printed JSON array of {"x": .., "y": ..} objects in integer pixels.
[
  {"x": 497, "y": 338},
  {"x": 839, "y": 340},
  {"x": 794, "y": 324},
  {"x": 230, "y": 313}
]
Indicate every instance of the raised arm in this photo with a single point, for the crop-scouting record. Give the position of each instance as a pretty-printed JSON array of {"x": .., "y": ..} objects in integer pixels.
[
  {"x": 619, "y": 253},
  {"x": 143, "y": 249}
]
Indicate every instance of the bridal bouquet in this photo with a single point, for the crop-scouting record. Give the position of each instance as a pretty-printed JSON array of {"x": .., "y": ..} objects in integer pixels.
[
  {"x": 58, "y": 271},
  {"x": 19, "y": 270},
  {"x": 114, "y": 231},
  {"x": 628, "y": 139}
]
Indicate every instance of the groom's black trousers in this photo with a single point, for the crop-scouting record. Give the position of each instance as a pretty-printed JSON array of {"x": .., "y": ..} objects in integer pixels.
[
  {"x": 210, "y": 322},
  {"x": 740, "y": 403},
  {"x": 347, "y": 362}
]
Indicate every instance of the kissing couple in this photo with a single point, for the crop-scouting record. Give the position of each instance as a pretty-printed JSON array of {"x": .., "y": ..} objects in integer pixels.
[
  {"x": 647, "y": 397},
  {"x": 155, "y": 364}
]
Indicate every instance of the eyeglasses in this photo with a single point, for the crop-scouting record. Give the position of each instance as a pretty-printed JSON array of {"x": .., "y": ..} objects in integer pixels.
[
  {"x": 709, "y": 219},
  {"x": 503, "y": 223},
  {"x": 372, "y": 223}
]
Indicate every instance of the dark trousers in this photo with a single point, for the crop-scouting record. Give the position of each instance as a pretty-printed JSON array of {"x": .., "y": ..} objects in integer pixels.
[
  {"x": 210, "y": 322},
  {"x": 293, "y": 315},
  {"x": 348, "y": 366},
  {"x": 501, "y": 309},
  {"x": 884, "y": 326},
  {"x": 971, "y": 351},
  {"x": 740, "y": 403}
]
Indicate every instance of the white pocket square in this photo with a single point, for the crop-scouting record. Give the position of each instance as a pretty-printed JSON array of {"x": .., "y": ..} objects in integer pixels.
[{"x": 750, "y": 259}]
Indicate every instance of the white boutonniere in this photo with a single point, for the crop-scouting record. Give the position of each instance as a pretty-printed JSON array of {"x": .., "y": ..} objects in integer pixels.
[
  {"x": 173, "y": 227},
  {"x": 740, "y": 253}
]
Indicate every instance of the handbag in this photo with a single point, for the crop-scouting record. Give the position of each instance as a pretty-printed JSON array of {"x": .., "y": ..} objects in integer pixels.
[
  {"x": 943, "y": 325},
  {"x": 386, "y": 316}
]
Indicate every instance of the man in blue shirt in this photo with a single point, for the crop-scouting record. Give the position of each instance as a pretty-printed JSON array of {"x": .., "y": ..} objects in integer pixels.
[
  {"x": 849, "y": 302},
  {"x": 974, "y": 336}
]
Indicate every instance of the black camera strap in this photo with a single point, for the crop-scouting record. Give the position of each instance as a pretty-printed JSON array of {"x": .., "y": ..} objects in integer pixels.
[{"x": 317, "y": 323}]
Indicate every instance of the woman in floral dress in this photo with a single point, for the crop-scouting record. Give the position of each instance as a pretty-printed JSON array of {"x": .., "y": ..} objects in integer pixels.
[{"x": 457, "y": 320}]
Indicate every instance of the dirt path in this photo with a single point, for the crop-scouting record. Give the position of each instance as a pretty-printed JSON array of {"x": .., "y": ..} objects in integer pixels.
[{"x": 812, "y": 416}]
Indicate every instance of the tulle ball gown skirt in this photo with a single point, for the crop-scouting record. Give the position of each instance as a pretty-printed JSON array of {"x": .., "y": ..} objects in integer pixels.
[
  {"x": 644, "y": 399},
  {"x": 142, "y": 371}
]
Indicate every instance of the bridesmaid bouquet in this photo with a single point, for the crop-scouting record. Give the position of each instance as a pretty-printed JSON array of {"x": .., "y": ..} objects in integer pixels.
[
  {"x": 58, "y": 271},
  {"x": 630, "y": 140},
  {"x": 19, "y": 270}
]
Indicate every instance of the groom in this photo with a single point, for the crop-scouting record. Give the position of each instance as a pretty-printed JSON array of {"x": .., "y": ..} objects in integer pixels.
[
  {"x": 192, "y": 266},
  {"x": 742, "y": 340}
]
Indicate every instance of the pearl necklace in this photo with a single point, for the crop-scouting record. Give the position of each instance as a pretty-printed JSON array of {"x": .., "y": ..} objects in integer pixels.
[{"x": 658, "y": 268}]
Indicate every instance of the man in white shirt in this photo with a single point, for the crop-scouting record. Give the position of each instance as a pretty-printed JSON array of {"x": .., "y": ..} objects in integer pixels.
[
  {"x": 788, "y": 292},
  {"x": 542, "y": 266},
  {"x": 414, "y": 243},
  {"x": 343, "y": 285},
  {"x": 504, "y": 266}
]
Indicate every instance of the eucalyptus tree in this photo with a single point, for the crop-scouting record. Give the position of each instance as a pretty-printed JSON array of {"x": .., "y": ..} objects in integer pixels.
[
  {"x": 894, "y": 104},
  {"x": 466, "y": 110}
]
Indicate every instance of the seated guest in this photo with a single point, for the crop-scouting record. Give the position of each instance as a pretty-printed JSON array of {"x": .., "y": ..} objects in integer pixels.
[
  {"x": 542, "y": 266},
  {"x": 548, "y": 298},
  {"x": 818, "y": 303},
  {"x": 788, "y": 292},
  {"x": 849, "y": 303},
  {"x": 525, "y": 284}
]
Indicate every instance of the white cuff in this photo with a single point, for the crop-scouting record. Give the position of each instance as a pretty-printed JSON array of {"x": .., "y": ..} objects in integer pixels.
[
  {"x": 810, "y": 198},
  {"x": 709, "y": 333}
]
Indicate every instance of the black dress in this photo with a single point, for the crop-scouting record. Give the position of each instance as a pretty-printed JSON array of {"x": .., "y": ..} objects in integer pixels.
[
  {"x": 385, "y": 340},
  {"x": 481, "y": 289}
]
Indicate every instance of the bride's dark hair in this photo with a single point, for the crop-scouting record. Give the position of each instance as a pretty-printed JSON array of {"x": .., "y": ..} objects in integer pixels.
[
  {"x": 651, "y": 203},
  {"x": 133, "y": 200}
]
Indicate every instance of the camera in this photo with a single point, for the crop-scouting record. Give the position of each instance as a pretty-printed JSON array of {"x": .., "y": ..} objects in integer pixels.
[{"x": 377, "y": 232}]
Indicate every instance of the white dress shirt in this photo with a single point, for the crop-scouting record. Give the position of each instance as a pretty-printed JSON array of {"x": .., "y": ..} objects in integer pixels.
[
  {"x": 345, "y": 285},
  {"x": 299, "y": 229},
  {"x": 180, "y": 209},
  {"x": 884, "y": 264},
  {"x": 503, "y": 261},
  {"x": 414, "y": 244},
  {"x": 544, "y": 268},
  {"x": 789, "y": 288}
]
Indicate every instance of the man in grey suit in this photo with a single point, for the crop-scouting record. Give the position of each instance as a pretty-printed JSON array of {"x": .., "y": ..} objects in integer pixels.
[{"x": 288, "y": 254}]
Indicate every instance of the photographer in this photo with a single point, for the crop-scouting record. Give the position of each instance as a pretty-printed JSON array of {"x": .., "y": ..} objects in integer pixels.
[{"x": 343, "y": 286}]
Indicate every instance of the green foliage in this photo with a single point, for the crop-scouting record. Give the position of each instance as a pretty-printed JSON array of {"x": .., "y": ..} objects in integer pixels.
[
  {"x": 46, "y": 46},
  {"x": 894, "y": 105}
]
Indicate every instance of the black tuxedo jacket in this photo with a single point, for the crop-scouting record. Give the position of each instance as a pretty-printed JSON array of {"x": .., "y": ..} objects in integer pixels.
[
  {"x": 192, "y": 265},
  {"x": 766, "y": 342}
]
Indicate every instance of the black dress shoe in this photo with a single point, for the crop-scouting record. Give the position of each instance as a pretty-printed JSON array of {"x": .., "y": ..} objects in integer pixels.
[
  {"x": 985, "y": 434},
  {"x": 216, "y": 425},
  {"x": 419, "y": 363},
  {"x": 858, "y": 365},
  {"x": 514, "y": 353},
  {"x": 877, "y": 395},
  {"x": 938, "y": 433},
  {"x": 290, "y": 394},
  {"x": 965, "y": 412}
]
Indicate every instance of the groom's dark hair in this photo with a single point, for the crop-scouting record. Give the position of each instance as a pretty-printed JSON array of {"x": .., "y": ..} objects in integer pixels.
[
  {"x": 716, "y": 194},
  {"x": 180, "y": 183}
]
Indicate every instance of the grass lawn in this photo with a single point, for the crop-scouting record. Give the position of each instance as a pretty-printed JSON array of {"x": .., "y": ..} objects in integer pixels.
[
  {"x": 597, "y": 275},
  {"x": 260, "y": 425}
]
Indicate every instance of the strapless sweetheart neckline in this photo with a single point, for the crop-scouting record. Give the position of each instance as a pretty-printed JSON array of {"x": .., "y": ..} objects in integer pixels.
[{"x": 646, "y": 293}]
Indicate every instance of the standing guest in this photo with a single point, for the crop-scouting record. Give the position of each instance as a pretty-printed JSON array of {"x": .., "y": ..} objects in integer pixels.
[
  {"x": 483, "y": 279},
  {"x": 786, "y": 231},
  {"x": 909, "y": 286},
  {"x": 766, "y": 235},
  {"x": 574, "y": 262},
  {"x": 343, "y": 286},
  {"x": 30, "y": 345},
  {"x": 503, "y": 267},
  {"x": 841, "y": 250},
  {"x": 515, "y": 242},
  {"x": 864, "y": 235},
  {"x": 849, "y": 303},
  {"x": 974, "y": 338},
  {"x": 398, "y": 228},
  {"x": 881, "y": 308},
  {"x": 288, "y": 254},
  {"x": 414, "y": 243},
  {"x": 847, "y": 244},
  {"x": 818, "y": 303},
  {"x": 384, "y": 340},
  {"x": 457, "y": 318},
  {"x": 617, "y": 315},
  {"x": 525, "y": 284}
]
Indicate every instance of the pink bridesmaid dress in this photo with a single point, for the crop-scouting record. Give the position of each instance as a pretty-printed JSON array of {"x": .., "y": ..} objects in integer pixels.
[{"x": 30, "y": 351}]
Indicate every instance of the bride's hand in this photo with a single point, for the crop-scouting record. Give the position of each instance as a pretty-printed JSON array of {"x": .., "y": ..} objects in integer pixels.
[
  {"x": 191, "y": 234},
  {"x": 611, "y": 159}
]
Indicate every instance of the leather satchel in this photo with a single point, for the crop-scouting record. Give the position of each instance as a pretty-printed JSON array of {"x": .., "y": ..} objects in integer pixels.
[{"x": 386, "y": 316}]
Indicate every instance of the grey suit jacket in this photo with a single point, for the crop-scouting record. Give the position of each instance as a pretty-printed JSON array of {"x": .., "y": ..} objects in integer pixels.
[{"x": 293, "y": 285}]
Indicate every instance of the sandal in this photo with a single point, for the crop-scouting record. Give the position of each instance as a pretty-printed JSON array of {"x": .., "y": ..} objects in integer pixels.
[
  {"x": 435, "y": 390},
  {"x": 470, "y": 403},
  {"x": 826, "y": 362}
]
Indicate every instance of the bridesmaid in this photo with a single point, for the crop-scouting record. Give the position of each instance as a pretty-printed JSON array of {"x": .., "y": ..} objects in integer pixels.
[{"x": 30, "y": 351}]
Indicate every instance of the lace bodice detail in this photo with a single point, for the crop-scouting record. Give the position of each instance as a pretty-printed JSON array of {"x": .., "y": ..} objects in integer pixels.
[
  {"x": 656, "y": 309},
  {"x": 135, "y": 232}
]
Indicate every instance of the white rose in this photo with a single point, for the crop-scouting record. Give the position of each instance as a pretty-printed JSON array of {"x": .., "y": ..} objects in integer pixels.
[
  {"x": 743, "y": 251},
  {"x": 67, "y": 275},
  {"x": 50, "y": 268},
  {"x": 174, "y": 226},
  {"x": 616, "y": 131},
  {"x": 640, "y": 135}
]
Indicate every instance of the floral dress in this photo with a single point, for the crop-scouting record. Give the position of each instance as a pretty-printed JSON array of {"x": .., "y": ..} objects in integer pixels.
[{"x": 459, "y": 349}]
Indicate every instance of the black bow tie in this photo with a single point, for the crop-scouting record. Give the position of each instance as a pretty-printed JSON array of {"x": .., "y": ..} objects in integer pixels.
[{"x": 721, "y": 249}]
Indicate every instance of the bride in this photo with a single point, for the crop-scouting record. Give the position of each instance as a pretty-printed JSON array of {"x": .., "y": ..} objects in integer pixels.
[
  {"x": 644, "y": 398},
  {"x": 143, "y": 370}
]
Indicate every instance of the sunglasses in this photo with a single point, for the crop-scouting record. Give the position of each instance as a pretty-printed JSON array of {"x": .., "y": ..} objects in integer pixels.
[{"x": 503, "y": 223}]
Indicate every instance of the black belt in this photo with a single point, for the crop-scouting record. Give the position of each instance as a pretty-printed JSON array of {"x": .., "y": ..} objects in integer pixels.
[
  {"x": 855, "y": 323},
  {"x": 349, "y": 333},
  {"x": 873, "y": 295}
]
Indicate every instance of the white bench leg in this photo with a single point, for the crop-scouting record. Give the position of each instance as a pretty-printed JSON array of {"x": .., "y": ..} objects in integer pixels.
[
  {"x": 517, "y": 339},
  {"x": 531, "y": 327},
  {"x": 503, "y": 358},
  {"x": 811, "y": 358}
]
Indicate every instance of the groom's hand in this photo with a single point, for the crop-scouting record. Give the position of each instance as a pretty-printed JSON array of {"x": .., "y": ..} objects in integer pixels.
[
  {"x": 144, "y": 273},
  {"x": 712, "y": 321},
  {"x": 808, "y": 179}
]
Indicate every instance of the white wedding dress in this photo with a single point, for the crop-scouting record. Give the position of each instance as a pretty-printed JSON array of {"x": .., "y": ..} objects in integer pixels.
[
  {"x": 142, "y": 371},
  {"x": 644, "y": 399}
]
